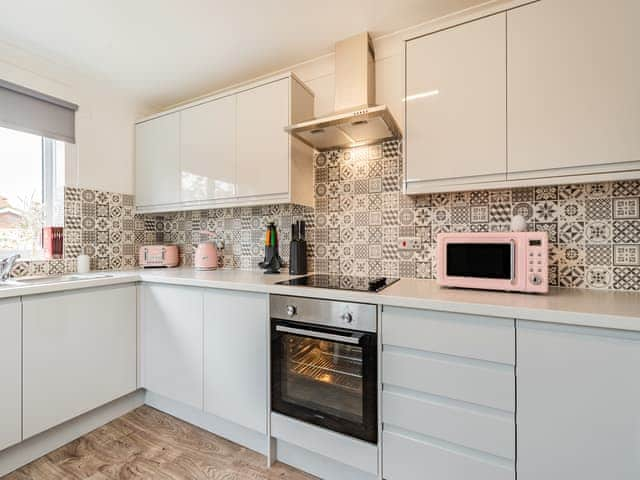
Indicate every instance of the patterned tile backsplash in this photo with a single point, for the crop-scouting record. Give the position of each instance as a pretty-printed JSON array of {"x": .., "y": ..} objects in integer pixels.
[
  {"x": 100, "y": 224},
  {"x": 360, "y": 214},
  {"x": 241, "y": 229}
]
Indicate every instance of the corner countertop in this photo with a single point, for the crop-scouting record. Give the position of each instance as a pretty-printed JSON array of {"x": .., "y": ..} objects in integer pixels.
[{"x": 581, "y": 307}]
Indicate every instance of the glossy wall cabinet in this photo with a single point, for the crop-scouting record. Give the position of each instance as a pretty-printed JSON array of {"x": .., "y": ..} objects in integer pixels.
[
  {"x": 456, "y": 105},
  {"x": 79, "y": 352},
  {"x": 544, "y": 93},
  {"x": 263, "y": 156},
  {"x": 573, "y": 79},
  {"x": 10, "y": 372},
  {"x": 208, "y": 151},
  {"x": 578, "y": 397},
  {"x": 158, "y": 161},
  {"x": 229, "y": 149}
]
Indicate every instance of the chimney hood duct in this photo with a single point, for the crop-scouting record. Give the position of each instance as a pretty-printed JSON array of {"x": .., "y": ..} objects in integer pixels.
[{"x": 357, "y": 120}]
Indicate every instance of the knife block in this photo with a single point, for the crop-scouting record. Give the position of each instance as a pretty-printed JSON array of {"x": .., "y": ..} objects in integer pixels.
[{"x": 298, "y": 257}]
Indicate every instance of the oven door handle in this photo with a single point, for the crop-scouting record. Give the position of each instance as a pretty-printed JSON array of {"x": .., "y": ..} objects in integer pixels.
[{"x": 355, "y": 340}]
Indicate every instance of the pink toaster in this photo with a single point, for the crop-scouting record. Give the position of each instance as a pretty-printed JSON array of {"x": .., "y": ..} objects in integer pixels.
[{"x": 158, "y": 256}]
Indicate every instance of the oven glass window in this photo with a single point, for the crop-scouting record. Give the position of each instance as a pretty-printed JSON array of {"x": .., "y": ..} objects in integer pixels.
[
  {"x": 323, "y": 376},
  {"x": 479, "y": 260}
]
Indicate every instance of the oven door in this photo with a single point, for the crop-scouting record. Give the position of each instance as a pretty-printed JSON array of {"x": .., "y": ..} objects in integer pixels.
[{"x": 325, "y": 376}]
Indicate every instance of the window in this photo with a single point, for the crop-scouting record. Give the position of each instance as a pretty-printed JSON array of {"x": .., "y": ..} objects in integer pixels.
[{"x": 31, "y": 190}]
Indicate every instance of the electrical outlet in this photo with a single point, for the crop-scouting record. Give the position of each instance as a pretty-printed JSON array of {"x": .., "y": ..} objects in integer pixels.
[{"x": 410, "y": 243}]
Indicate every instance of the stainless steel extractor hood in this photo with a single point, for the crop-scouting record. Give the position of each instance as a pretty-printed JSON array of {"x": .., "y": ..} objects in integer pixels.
[{"x": 356, "y": 121}]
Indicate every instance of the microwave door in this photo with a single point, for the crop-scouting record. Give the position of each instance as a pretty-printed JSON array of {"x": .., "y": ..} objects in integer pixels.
[{"x": 481, "y": 260}]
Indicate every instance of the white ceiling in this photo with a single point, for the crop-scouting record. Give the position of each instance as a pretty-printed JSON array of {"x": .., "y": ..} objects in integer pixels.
[{"x": 164, "y": 51}]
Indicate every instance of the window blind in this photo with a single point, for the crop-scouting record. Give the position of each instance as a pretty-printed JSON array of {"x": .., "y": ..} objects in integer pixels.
[{"x": 33, "y": 112}]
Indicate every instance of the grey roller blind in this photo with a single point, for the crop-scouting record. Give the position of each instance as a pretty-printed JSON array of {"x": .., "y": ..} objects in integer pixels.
[{"x": 30, "y": 111}]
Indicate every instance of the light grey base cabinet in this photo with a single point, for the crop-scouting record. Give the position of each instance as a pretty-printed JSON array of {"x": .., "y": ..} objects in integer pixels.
[
  {"x": 235, "y": 357},
  {"x": 207, "y": 349},
  {"x": 578, "y": 403},
  {"x": 448, "y": 398},
  {"x": 10, "y": 373},
  {"x": 171, "y": 347},
  {"x": 79, "y": 352}
]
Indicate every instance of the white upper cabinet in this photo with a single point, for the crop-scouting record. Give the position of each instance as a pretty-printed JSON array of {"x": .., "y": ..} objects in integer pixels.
[
  {"x": 230, "y": 149},
  {"x": 158, "y": 161},
  {"x": 208, "y": 150},
  {"x": 543, "y": 93},
  {"x": 456, "y": 105},
  {"x": 263, "y": 145},
  {"x": 573, "y": 82},
  {"x": 10, "y": 373}
]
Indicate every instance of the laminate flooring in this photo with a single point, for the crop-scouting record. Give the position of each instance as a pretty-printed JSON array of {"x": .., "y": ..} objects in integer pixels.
[{"x": 149, "y": 444}]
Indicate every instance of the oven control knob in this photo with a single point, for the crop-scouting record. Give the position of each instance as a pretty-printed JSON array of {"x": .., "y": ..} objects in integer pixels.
[
  {"x": 347, "y": 318},
  {"x": 291, "y": 310}
]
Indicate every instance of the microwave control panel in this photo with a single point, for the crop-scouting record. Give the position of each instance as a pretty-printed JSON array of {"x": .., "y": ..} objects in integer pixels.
[{"x": 537, "y": 263}]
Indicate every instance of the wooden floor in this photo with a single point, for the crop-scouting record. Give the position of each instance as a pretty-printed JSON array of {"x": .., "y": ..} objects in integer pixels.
[{"x": 149, "y": 444}]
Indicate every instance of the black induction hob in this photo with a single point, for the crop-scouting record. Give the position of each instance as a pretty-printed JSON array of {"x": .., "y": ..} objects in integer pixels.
[{"x": 342, "y": 282}]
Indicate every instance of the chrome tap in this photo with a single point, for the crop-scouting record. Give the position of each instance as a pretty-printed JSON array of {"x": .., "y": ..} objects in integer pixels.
[{"x": 6, "y": 265}]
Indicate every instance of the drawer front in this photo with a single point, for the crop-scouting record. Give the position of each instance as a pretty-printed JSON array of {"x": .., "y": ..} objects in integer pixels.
[
  {"x": 464, "y": 424},
  {"x": 404, "y": 456},
  {"x": 483, "y": 383},
  {"x": 483, "y": 338}
]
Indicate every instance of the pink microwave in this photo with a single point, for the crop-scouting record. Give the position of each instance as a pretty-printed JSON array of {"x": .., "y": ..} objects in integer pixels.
[{"x": 509, "y": 261}]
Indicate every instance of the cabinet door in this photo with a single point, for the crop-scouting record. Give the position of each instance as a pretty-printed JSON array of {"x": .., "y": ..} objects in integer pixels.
[
  {"x": 158, "y": 161},
  {"x": 10, "y": 373},
  {"x": 573, "y": 96},
  {"x": 235, "y": 357},
  {"x": 172, "y": 342},
  {"x": 208, "y": 150},
  {"x": 577, "y": 403},
  {"x": 263, "y": 145},
  {"x": 79, "y": 352},
  {"x": 456, "y": 105}
]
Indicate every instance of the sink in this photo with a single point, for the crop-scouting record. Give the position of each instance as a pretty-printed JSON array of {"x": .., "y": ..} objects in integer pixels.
[{"x": 54, "y": 279}]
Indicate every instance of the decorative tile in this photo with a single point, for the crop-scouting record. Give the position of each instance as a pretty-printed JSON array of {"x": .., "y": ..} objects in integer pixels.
[
  {"x": 626, "y": 278},
  {"x": 546, "y": 193},
  {"x": 598, "y": 277},
  {"x": 626, "y": 207},
  {"x": 602, "y": 190},
  {"x": 598, "y": 209},
  {"x": 479, "y": 213},
  {"x": 598, "y": 255},
  {"x": 598, "y": 232},
  {"x": 500, "y": 212},
  {"x": 628, "y": 255},
  {"x": 571, "y": 192},
  {"x": 626, "y": 231},
  {"x": 628, "y": 188}
]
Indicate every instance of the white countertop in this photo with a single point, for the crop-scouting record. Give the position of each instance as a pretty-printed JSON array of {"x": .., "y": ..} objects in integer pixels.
[{"x": 607, "y": 309}]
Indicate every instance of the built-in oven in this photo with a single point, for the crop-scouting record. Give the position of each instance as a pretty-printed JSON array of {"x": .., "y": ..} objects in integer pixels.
[{"x": 324, "y": 364}]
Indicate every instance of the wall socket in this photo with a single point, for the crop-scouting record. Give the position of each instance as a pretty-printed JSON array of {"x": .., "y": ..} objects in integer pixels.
[{"x": 410, "y": 243}]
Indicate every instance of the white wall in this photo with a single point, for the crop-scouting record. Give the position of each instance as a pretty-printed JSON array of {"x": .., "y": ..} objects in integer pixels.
[{"x": 104, "y": 152}]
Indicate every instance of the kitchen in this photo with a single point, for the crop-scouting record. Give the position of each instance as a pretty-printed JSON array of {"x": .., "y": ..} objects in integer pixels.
[{"x": 403, "y": 246}]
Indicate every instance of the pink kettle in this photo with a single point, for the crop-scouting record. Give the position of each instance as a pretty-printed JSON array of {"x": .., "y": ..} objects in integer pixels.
[{"x": 206, "y": 255}]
